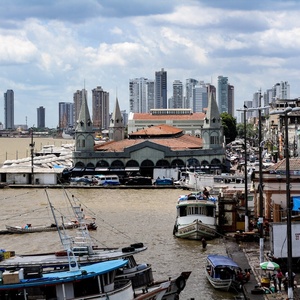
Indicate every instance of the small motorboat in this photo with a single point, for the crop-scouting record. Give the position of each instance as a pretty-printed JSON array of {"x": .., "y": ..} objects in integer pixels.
[{"x": 223, "y": 273}]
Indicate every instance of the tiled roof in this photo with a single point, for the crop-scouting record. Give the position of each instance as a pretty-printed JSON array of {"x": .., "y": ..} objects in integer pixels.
[
  {"x": 183, "y": 142},
  {"x": 175, "y": 140},
  {"x": 281, "y": 165},
  {"x": 148, "y": 116},
  {"x": 162, "y": 129}
]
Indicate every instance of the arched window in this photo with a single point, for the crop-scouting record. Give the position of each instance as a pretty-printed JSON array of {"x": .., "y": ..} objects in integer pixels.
[
  {"x": 162, "y": 163},
  {"x": 177, "y": 163}
]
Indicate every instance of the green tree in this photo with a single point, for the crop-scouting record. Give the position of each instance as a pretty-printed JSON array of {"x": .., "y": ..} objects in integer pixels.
[
  {"x": 229, "y": 125},
  {"x": 251, "y": 131}
]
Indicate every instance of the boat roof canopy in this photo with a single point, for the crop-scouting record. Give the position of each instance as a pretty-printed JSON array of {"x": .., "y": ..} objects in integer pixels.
[{"x": 221, "y": 261}]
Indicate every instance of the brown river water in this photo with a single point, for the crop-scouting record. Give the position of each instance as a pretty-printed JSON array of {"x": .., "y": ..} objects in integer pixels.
[{"x": 123, "y": 216}]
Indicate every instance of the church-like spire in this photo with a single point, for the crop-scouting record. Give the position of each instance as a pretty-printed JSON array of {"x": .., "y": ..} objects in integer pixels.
[
  {"x": 116, "y": 119},
  {"x": 212, "y": 118},
  {"x": 212, "y": 131},
  {"x": 84, "y": 122},
  {"x": 116, "y": 126}
]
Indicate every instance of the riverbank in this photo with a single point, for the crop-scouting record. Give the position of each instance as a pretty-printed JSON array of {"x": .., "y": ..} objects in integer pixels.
[
  {"x": 70, "y": 186},
  {"x": 247, "y": 256}
]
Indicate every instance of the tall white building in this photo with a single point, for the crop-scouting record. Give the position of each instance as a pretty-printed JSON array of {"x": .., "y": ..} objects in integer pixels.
[
  {"x": 190, "y": 84},
  {"x": 281, "y": 90},
  {"x": 141, "y": 95},
  {"x": 200, "y": 99},
  {"x": 177, "y": 94}
]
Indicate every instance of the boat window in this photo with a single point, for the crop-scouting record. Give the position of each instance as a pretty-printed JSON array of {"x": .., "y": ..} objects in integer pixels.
[
  {"x": 183, "y": 211},
  {"x": 86, "y": 287},
  {"x": 210, "y": 211}
]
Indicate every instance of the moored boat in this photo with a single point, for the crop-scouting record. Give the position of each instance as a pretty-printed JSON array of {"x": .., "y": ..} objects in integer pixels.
[
  {"x": 222, "y": 272},
  {"x": 140, "y": 275},
  {"x": 196, "y": 217},
  {"x": 95, "y": 281},
  {"x": 28, "y": 228}
]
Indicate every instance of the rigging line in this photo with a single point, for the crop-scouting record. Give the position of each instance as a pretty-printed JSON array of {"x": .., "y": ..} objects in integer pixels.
[
  {"x": 25, "y": 213},
  {"x": 80, "y": 202},
  {"x": 115, "y": 229},
  {"x": 15, "y": 196}
]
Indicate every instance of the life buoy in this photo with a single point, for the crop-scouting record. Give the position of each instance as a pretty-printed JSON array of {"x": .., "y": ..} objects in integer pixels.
[
  {"x": 180, "y": 283},
  {"x": 137, "y": 245},
  {"x": 128, "y": 249}
]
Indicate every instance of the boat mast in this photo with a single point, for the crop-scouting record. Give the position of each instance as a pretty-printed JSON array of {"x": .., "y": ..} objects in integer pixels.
[
  {"x": 65, "y": 240},
  {"x": 83, "y": 238}
]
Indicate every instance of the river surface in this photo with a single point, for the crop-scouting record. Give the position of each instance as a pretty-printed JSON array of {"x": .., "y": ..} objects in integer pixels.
[{"x": 123, "y": 216}]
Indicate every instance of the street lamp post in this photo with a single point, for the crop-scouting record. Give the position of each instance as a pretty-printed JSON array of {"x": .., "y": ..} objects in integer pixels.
[
  {"x": 260, "y": 185},
  {"x": 260, "y": 189},
  {"x": 245, "y": 170},
  {"x": 289, "y": 207},
  {"x": 32, "y": 154}
]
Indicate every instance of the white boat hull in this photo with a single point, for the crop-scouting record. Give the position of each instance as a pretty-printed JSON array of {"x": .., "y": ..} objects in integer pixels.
[
  {"x": 195, "y": 231},
  {"x": 221, "y": 272}
]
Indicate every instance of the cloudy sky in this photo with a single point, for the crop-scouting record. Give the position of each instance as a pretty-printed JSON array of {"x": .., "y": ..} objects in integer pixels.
[{"x": 50, "y": 49}]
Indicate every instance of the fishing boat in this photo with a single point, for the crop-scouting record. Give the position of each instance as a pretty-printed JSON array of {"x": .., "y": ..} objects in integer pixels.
[
  {"x": 93, "y": 281},
  {"x": 222, "y": 272},
  {"x": 140, "y": 274},
  {"x": 28, "y": 228},
  {"x": 196, "y": 217}
]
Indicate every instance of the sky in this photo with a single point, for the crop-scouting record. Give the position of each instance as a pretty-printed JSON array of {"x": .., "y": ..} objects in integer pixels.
[{"x": 51, "y": 49}]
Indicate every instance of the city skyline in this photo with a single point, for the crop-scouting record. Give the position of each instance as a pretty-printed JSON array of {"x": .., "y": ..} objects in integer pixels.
[
  {"x": 68, "y": 111},
  {"x": 50, "y": 49}
]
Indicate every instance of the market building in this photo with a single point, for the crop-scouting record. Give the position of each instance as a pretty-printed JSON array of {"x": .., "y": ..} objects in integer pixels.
[{"x": 159, "y": 146}]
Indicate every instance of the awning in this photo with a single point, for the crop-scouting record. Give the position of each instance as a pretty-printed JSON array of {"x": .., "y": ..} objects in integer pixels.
[
  {"x": 132, "y": 169},
  {"x": 101, "y": 169},
  {"x": 75, "y": 169}
]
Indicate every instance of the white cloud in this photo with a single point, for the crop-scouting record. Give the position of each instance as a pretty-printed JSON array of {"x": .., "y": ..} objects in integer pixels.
[{"x": 48, "y": 51}]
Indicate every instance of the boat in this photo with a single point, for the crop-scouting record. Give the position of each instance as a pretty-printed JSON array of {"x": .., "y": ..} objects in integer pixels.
[
  {"x": 93, "y": 281},
  {"x": 196, "y": 217},
  {"x": 140, "y": 274},
  {"x": 222, "y": 273},
  {"x": 194, "y": 180},
  {"x": 163, "y": 181},
  {"x": 28, "y": 228}
]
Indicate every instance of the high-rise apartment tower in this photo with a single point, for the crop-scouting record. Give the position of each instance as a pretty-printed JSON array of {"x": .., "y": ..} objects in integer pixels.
[
  {"x": 161, "y": 100},
  {"x": 9, "y": 109},
  {"x": 41, "y": 117},
  {"x": 100, "y": 105}
]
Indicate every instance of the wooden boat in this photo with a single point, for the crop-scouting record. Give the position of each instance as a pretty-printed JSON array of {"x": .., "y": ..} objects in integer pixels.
[
  {"x": 196, "y": 217},
  {"x": 222, "y": 272},
  {"x": 93, "y": 281},
  {"x": 140, "y": 274},
  {"x": 29, "y": 229}
]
